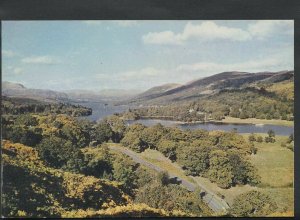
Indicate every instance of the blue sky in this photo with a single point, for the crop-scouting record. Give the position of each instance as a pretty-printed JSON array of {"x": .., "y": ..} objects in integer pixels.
[{"x": 95, "y": 55}]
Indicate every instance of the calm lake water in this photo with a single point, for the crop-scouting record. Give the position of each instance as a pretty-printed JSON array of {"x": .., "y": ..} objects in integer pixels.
[
  {"x": 101, "y": 110},
  {"x": 241, "y": 128}
]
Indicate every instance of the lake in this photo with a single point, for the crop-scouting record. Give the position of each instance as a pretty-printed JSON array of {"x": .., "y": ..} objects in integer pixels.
[
  {"x": 101, "y": 110},
  {"x": 241, "y": 128}
]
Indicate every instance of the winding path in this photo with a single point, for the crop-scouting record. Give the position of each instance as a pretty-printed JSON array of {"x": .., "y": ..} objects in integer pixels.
[{"x": 216, "y": 203}]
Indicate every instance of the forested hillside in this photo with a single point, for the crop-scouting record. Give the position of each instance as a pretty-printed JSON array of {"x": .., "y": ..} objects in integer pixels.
[
  {"x": 64, "y": 169},
  {"x": 263, "y": 100}
]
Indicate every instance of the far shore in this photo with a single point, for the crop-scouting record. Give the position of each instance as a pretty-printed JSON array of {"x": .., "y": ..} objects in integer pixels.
[
  {"x": 231, "y": 120},
  {"x": 257, "y": 121}
]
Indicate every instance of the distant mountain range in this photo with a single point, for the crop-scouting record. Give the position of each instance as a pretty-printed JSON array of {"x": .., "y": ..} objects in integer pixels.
[
  {"x": 163, "y": 94},
  {"x": 18, "y": 90},
  {"x": 207, "y": 86}
]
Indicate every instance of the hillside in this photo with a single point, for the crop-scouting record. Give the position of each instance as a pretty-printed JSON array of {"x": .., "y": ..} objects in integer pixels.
[
  {"x": 20, "y": 91},
  {"x": 265, "y": 95},
  {"x": 211, "y": 85},
  {"x": 156, "y": 91},
  {"x": 55, "y": 193},
  {"x": 106, "y": 95}
]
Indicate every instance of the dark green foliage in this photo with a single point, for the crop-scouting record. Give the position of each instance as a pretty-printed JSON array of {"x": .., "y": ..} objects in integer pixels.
[
  {"x": 20, "y": 195},
  {"x": 151, "y": 135},
  {"x": 102, "y": 132},
  {"x": 175, "y": 134},
  {"x": 221, "y": 170},
  {"x": 23, "y": 135},
  {"x": 168, "y": 148},
  {"x": 269, "y": 140},
  {"x": 253, "y": 203},
  {"x": 253, "y": 149},
  {"x": 194, "y": 158},
  {"x": 232, "y": 141},
  {"x": 124, "y": 171},
  {"x": 241, "y": 103},
  {"x": 17, "y": 106},
  {"x": 243, "y": 171},
  {"x": 132, "y": 141},
  {"x": 170, "y": 197},
  {"x": 252, "y": 138},
  {"x": 271, "y": 133},
  {"x": 290, "y": 138},
  {"x": 59, "y": 153},
  {"x": 26, "y": 120},
  {"x": 99, "y": 164},
  {"x": 259, "y": 139},
  {"x": 163, "y": 178},
  {"x": 145, "y": 176},
  {"x": 117, "y": 126}
]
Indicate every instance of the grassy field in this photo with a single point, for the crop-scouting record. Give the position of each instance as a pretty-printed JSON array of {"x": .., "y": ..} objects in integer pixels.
[
  {"x": 275, "y": 165},
  {"x": 257, "y": 121}
]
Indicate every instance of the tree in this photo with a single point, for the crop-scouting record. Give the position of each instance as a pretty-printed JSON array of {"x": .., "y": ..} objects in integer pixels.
[
  {"x": 269, "y": 139},
  {"x": 26, "y": 120},
  {"x": 271, "y": 133},
  {"x": 152, "y": 135},
  {"x": 193, "y": 158},
  {"x": 117, "y": 126},
  {"x": 290, "y": 138},
  {"x": 167, "y": 148},
  {"x": 98, "y": 162},
  {"x": 163, "y": 178},
  {"x": 56, "y": 152},
  {"x": 23, "y": 135},
  {"x": 220, "y": 170},
  {"x": 102, "y": 132},
  {"x": 232, "y": 141},
  {"x": 136, "y": 128},
  {"x": 243, "y": 172},
  {"x": 124, "y": 171},
  {"x": 253, "y": 203},
  {"x": 252, "y": 137},
  {"x": 132, "y": 141},
  {"x": 259, "y": 139}
]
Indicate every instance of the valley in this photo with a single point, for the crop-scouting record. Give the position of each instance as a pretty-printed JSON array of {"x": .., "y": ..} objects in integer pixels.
[{"x": 199, "y": 142}]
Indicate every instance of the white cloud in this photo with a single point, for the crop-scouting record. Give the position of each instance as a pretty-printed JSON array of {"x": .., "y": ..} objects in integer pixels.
[
  {"x": 209, "y": 31},
  {"x": 165, "y": 37},
  {"x": 206, "y": 31},
  {"x": 264, "y": 28},
  {"x": 275, "y": 63},
  {"x": 41, "y": 60},
  {"x": 8, "y": 53}
]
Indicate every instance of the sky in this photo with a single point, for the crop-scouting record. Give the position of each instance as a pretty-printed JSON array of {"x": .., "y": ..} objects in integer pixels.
[{"x": 96, "y": 55}]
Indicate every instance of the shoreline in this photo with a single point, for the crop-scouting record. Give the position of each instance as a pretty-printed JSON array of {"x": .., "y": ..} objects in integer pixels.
[{"x": 229, "y": 120}]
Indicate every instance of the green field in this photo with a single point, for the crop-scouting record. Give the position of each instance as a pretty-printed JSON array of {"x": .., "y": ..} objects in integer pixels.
[
  {"x": 275, "y": 165},
  {"x": 257, "y": 121}
]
